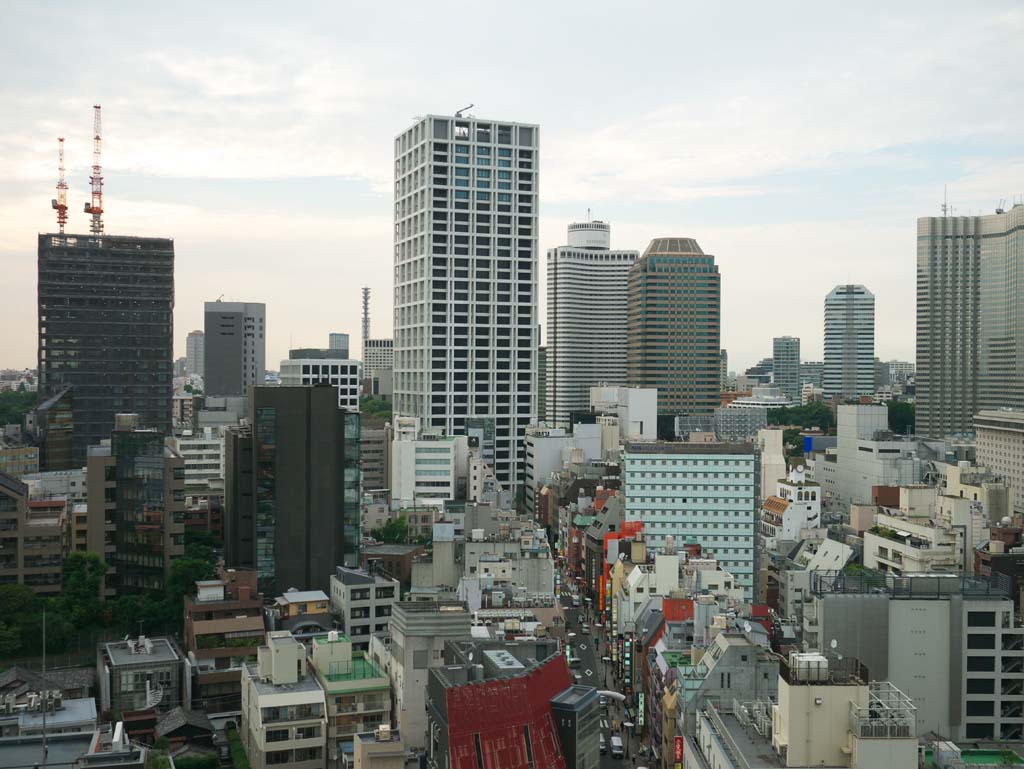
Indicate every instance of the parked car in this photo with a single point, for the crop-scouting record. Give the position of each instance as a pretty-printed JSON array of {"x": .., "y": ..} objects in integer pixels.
[
  {"x": 617, "y": 751},
  {"x": 604, "y": 744}
]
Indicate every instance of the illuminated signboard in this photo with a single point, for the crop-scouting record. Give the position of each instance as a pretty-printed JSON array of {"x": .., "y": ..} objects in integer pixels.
[
  {"x": 677, "y": 750},
  {"x": 640, "y": 710}
]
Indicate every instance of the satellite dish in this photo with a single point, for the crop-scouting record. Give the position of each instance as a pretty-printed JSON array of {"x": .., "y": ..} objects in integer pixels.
[
  {"x": 799, "y": 468},
  {"x": 833, "y": 643},
  {"x": 471, "y": 656}
]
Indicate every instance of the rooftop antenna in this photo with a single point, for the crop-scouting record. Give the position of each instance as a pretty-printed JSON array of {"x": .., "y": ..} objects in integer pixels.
[
  {"x": 945, "y": 201},
  {"x": 60, "y": 203},
  {"x": 366, "y": 318},
  {"x": 588, "y": 215},
  {"x": 459, "y": 112},
  {"x": 95, "y": 205}
]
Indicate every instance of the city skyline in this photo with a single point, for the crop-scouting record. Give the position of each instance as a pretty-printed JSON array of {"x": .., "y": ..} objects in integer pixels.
[{"x": 782, "y": 170}]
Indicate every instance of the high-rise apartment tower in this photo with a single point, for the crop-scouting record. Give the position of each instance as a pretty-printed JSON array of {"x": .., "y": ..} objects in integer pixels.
[
  {"x": 588, "y": 296},
  {"x": 675, "y": 294},
  {"x": 195, "y": 353},
  {"x": 786, "y": 365},
  {"x": 465, "y": 267},
  {"x": 849, "y": 342}
]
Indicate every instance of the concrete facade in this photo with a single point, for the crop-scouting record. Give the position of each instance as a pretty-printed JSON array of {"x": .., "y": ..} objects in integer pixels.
[{"x": 235, "y": 353}]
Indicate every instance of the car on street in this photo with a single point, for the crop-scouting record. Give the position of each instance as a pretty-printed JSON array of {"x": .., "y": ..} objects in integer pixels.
[
  {"x": 604, "y": 745},
  {"x": 575, "y": 662},
  {"x": 617, "y": 751}
]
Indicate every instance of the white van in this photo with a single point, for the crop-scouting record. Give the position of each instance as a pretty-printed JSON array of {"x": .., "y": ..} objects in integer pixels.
[{"x": 617, "y": 751}]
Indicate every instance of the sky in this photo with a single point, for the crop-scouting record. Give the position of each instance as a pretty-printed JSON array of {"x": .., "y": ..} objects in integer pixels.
[{"x": 797, "y": 142}]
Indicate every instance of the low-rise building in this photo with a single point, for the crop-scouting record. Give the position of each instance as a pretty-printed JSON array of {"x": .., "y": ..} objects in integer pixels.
[
  {"x": 223, "y": 628},
  {"x": 363, "y": 601},
  {"x": 828, "y": 715},
  {"x": 382, "y": 748},
  {"x": 1000, "y": 447},
  {"x": 357, "y": 693},
  {"x": 142, "y": 674},
  {"x": 283, "y": 709},
  {"x": 304, "y": 613},
  {"x": 32, "y": 538},
  {"x": 19, "y": 460},
  {"x": 795, "y": 505}
]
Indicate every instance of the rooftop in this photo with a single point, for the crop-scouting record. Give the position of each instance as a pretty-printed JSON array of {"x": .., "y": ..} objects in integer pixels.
[
  {"x": 362, "y": 670},
  {"x": 359, "y": 577},
  {"x": 302, "y": 596},
  {"x": 71, "y": 712},
  {"x": 265, "y": 686},
  {"x": 673, "y": 246},
  {"x": 62, "y": 749},
  {"x": 677, "y": 447},
  {"x": 141, "y": 651},
  {"x": 575, "y": 696}
]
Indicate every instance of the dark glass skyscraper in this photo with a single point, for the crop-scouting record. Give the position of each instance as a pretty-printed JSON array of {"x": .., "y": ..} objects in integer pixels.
[
  {"x": 106, "y": 330},
  {"x": 292, "y": 488}
]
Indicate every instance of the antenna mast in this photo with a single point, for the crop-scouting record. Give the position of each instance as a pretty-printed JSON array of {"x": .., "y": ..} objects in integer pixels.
[
  {"x": 95, "y": 206},
  {"x": 60, "y": 203},
  {"x": 366, "y": 317}
]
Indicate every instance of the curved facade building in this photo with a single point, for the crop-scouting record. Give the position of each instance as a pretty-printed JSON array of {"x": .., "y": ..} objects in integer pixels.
[
  {"x": 849, "y": 342},
  {"x": 588, "y": 294}
]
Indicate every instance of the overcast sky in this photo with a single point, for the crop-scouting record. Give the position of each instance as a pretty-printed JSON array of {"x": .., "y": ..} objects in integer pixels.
[{"x": 797, "y": 143}]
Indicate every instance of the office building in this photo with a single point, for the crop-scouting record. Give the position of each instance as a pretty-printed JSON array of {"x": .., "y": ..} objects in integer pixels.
[
  {"x": 849, "y": 342},
  {"x": 378, "y": 355},
  {"x": 496, "y": 698},
  {"x": 292, "y": 488},
  {"x": 32, "y": 538},
  {"x": 829, "y": 714},
  {"x": 900, "y": 371},
  {"x": 55, "y": 427},
  {"x": 136, "y": 505},
  {"x": 674, "y": 326},
  {"x": 1000, "y": 448},
  {"x": 338, "y": 342},
  {"x": 466, "y": 279},
  {"x": 142, "y": 674},
  {"x": 725, "y": 370},
  {"x": 311, "y": 366},
  {"x": 542, "y": 384},
  {"x": 283, "y": 707},
  {"x": 106, "y": 330},
  {"x": 426, "y": 465},
  {"x": 969, "y": 345},
  {"x": 786, "y": 366},
  {"x": 195, "y": 353},
  {"x": 588, "y": 297},
  {"x": 203, "y": 453},
  {"x": 19, "y": 460},
  {"x": 812, "y": 372},
  {"x": 950, "y": 643},
  {"x": 375, "y": 462},
  {"x": 419, "y": 631},
  {"x": 696, "y": 492},
  {"x": 236, "y": 356},
  {"x": 363, "y": 601}
]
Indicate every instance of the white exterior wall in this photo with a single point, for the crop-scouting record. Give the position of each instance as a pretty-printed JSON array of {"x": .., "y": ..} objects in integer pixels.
[
  {"x": 707, "y": 496},
  {"x": 1000, "y": 447},
  {"x": 773, "y": 460},
  {"x": 813, "y": 722},
  {"x": 849, "y": 342},
  {"x": 378, "y": 354},
  {"x": 465, "y": 278},
  {"x": 863, "y": 462},
  {"x": 340, "y": 372},
  {"x": 636, "y": 408},
  {"x": 426, "y": 469},
  {"x": 588, "y": 293},
  {"x": 195, "y": 353}
]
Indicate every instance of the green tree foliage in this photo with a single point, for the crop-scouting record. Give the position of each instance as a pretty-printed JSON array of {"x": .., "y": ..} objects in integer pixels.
[
  {"x": 901, "y": 417},
  {"x": 791, "y": 442},
  {"x": 376, "y": 407},
  {"x": 394, "y": 531},
  {"x": 814, "y": 414},
  {"x": 14, "y": 406},
  {"x": 19, "y": 605},
  {"x": 208, "y": 761},
  {"x": 238, "y": 757},
  {"x": 80, "y": 601}
]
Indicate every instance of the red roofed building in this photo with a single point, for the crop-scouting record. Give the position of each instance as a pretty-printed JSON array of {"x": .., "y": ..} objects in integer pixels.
[{"x": 490, "y": 706}]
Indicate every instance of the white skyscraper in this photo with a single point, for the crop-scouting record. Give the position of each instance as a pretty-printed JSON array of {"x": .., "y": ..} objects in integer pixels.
[
  {"x": 588, "y": 301},
  {"x": 465, "y": 270},
  {"x": 195, "y": 353},
  {"x": 849, "y": 342}
]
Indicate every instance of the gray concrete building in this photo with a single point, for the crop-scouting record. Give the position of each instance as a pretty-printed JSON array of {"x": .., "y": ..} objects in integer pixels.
[
  {"x": 364, "y": 602},
  {"x": 419, "y": 631},
  {"x": 140, "y": 674},
  {"x": 235, "y": 347}
]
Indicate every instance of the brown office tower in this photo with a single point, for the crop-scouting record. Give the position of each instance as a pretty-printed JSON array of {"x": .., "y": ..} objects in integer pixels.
[{"x": 675, "y": 295}]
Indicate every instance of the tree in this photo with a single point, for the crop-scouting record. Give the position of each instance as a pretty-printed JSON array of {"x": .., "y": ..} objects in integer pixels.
[
  {"x": 814, "y": 414},
  {"x": 394, "y": 531},
  {"x": 15, "y": 404},
  {"x": 80, "y": 600},
  {"x": 901, "y": 417}
]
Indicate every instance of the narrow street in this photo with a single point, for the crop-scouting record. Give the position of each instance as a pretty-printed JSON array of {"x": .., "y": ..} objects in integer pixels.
[{"x": 590, "y": 645}]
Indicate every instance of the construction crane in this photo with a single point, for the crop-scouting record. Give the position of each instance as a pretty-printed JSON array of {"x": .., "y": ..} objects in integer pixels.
[
  {"x": 95, "y": 206},
  {"x": 60, "y": 203}
]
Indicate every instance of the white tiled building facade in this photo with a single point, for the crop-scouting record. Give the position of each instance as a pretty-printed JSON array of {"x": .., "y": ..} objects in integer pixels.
[
  {"x": 377, "y": 354},
  {"x": 465, "y": 278},
  {"x": 700, "y": 492},
  {"x": 588, "y": 297},
  {"x": 1000, "y": 442},
  {"x": 849, "y": 342}
]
